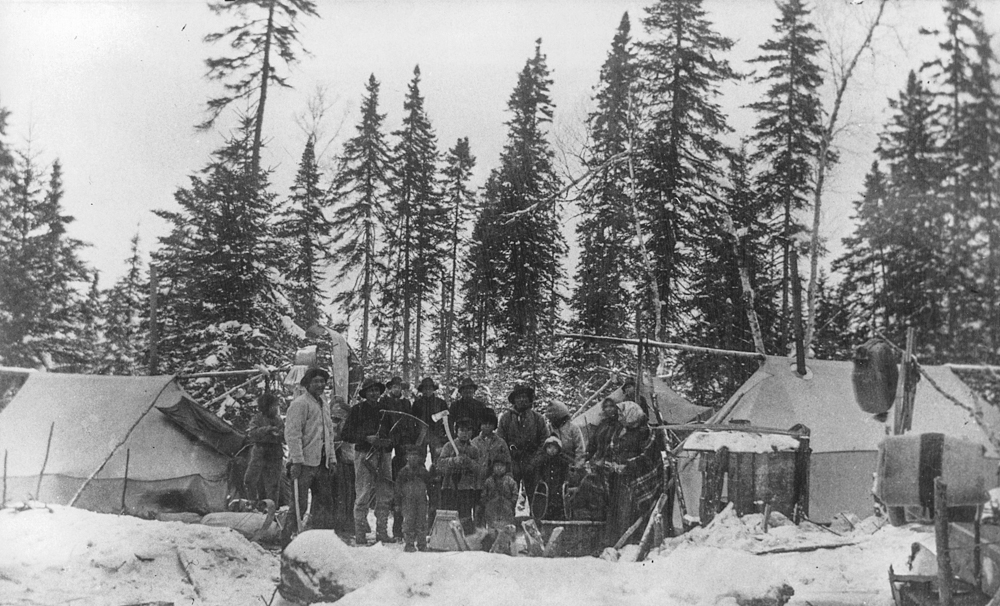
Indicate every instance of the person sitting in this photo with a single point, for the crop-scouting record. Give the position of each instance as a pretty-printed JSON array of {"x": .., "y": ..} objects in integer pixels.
[
  {"x": 411, "y": 494},
  {"x": 569, "y": 433},
  {"x": 462, "y": 470},
  {"x": 551, "y": 470}
]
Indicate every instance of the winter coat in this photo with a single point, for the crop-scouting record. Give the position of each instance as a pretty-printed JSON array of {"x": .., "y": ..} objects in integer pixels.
[
  {"x": 469, "y": 408},
  {"x": 523, "y": 432},
  {"x": 461, "y": 470},
  {"x": 267, "y": 435},
  {"x": 308, "y": 431},
  {"x": 499, "y": 500},
  {"x": 492, "y": 448},
  {"x": 551, "y": 469},
  {"x": 572, "y": 441},
  {"x": 404, "y": 430},
  {"x": 411, "y": 483},
  {"x": 424, "y": 408},
  {"x": 366, "y": 419},
  {"x": 598, "y": 447}
]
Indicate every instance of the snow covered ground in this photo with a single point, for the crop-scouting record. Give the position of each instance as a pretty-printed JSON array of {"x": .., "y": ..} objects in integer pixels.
[{"x": 57, "y": 555}]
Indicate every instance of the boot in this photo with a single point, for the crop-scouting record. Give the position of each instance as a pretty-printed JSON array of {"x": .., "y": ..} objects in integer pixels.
[
  {"x": 409, "y": 548},
  {"x": 382, "y": 530},
  {"x": 360, "y": 536}
]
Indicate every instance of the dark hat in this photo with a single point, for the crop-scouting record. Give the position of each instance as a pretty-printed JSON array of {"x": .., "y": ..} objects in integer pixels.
[
  {"x": 466, "y": 383},
  {"x": 395, "y": 381},
  {"x": 311, "y": 374},
  {"x": 628, "y": 381},
  {"x": 372, "y": 382},
  {"x": 488, "y": 416},
  {"x": 521, "y": 388},
  {"x": 427, "y": 382},
  {"x": 464, "y": 422}
]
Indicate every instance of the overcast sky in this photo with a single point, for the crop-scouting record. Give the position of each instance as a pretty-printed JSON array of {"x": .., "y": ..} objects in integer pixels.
[{"x": 113, "y": 88}]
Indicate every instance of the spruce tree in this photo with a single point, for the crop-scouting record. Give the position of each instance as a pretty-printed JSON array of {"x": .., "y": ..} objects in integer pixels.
[
  {"x": 305, "y": 233},
  {"x": 461, "y": 204},
  {"x": 41, "y": 274},
  {"x": 220, "y": 305},
  {"x": 484, "y": 280},
  {"x": 125, "y": 310},
  {"x": 680, "y": 177},
  {"x": 421, "y": 219},
  {"x": 789, "y": 131},
  {"x": 360, "y": 191},
  {"x": 267, "y": 31},
  {"x": 527, "y": 237},
  {"x": 604, "y": 298}
]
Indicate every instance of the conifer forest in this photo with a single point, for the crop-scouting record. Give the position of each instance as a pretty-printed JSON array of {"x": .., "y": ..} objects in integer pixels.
[{"x": 662, "y": 221}]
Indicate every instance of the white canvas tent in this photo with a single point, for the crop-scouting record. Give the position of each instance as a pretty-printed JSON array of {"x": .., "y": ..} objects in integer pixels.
[
  {"x": 844, "y": 438},
  {"x": 97, "y": 422}
]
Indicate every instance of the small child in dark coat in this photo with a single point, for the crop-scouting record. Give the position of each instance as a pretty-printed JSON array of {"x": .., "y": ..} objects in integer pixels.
[
  {"x": 550, "y": 467},
  {"x": 499, "y": 501},
  {"x": 267, "y": 433},
  {"x": 411, "y": 494}
]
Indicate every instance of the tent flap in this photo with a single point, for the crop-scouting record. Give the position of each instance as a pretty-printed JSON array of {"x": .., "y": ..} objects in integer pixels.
[{"x": 205, "y": 426}]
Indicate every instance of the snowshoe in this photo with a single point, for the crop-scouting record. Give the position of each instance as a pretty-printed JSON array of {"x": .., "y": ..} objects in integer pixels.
[{"x": 540, "y": 502}]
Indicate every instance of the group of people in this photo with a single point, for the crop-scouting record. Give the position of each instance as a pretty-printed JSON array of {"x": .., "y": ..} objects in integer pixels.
[{"x": 374, "y": 455}]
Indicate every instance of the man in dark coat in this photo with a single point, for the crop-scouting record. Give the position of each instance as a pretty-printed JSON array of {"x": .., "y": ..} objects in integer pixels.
[
  {"x": 368, "y": 429},
  {"x": 524, "y": 431},
  {"x": 424, "y": 408},
  {"x": 404, "y": 433},
  {"x": 467, "y": 406}
]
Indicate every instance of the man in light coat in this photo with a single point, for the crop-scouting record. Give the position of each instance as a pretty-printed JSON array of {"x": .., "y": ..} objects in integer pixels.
[{"x": 309, "y": 435}]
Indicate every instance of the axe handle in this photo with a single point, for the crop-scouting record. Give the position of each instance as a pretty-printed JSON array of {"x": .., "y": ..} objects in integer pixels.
[
  {"x": 298, "y": 513},
  {"x": 447, "y": 432}
]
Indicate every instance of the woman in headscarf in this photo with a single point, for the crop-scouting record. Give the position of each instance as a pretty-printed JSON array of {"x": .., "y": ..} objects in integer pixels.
[{"x": 628, "y": 458}]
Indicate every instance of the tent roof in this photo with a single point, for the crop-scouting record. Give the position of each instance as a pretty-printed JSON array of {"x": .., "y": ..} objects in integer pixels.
[
  {"x": 91, "y": 416},
  {"x": 674, "y": 408},
  {"x": 824, "y": 402}
]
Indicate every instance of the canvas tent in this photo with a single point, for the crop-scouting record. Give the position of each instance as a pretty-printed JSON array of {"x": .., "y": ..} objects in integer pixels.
[
  {"x": 844, "y": 438},
  {"x": 99, "y": 421}
]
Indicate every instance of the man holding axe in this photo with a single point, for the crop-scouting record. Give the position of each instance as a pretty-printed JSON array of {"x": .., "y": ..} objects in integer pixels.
[
  {"x": 368, "y": 429},
  {"x": 309, "y": 435}
]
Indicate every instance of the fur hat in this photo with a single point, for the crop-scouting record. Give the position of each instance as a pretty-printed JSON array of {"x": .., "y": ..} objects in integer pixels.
[
  {"x": 557, "y": 410},
  {"x": 521, "y": 388},
  {"x": 372, "y": 382},
  {"x": 311, "y": 374}
]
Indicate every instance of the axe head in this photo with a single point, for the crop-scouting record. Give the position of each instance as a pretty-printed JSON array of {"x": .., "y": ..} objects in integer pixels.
[{"x": 439, "y": 415}]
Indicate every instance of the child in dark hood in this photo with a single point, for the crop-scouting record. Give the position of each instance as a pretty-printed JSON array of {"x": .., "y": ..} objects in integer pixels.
[
  {"x": 499, "y": 500},
  {"x": 551, "y": 469}
]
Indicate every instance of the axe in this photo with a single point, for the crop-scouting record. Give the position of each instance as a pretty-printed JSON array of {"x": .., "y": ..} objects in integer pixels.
[{"x": 443, "y": 415}]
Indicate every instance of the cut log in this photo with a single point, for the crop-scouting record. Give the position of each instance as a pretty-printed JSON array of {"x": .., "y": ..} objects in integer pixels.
[
  {"x": 504, "y": 540},
  {"x": 456, "y": 531},
  {"x": 647, "y": 536},
  {"x": 554, "y": 548},
  {"x": 536, "y": 544},
  {"x": 628, "y": 533}
]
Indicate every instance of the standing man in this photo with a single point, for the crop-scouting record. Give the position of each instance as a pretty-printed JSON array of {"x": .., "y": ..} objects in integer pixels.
[
  {"x": 309, "y": 435},
  {"x": 467, "y": 406},
  {"x": 368, "y": 429},
  {"x": 525, "y": 431},
  {"x": 425, "y": 407},
  {"x": 404, "y": 433}
]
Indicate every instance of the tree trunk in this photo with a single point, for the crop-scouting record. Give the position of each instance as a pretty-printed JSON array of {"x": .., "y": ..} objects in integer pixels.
[{"x": 265, "y": 72}]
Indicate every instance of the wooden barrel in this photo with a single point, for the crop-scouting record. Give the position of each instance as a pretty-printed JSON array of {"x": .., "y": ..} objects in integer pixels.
[{"x": 907, "y": 466}]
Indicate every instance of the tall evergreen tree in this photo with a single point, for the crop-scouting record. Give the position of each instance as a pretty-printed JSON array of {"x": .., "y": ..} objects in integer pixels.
[
  {"x": 360, "y": 191},
  {"x": 219, "y": 303},
  {"x": 682, "y": 67},
  {"x": 461, "y": 204},
  {"x": 484, "y": 279},
  {"x": 125, "y": 309},
  {"x": 421, "y": 218},
  {"x": 305, "y": 232},
  {"x": 604, "y": 298},
  {"x": 41, "y": 274},
  {"x": 527, "y": 238},
  {"x": 789, "y": 131},
  {"x": 267, "y": 31}
]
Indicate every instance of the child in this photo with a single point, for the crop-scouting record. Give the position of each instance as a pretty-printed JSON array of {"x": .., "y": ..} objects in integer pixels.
[
  {"x": 491, "y": 447},
  {"x": 462, "y": 471},
  {"x": 266, "y": 433},
  {"x": 411, "y": 494},
  {"x": 499, "y": 502},
  {"x": 551, "y": 469}
]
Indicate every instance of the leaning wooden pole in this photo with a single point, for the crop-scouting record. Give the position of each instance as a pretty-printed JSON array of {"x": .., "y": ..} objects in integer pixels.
[
  {"x": 3, "y": 503},
  {"x": 48, "y": 446},
  {"x": 154, "y": 329},
  {"x": 128, "y": 455},
  {"x": 941, "y": 538},
  {"x": 662, "y": 345}
]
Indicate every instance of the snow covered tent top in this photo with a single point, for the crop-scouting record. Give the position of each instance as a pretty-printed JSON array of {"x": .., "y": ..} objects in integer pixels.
[
  {"x": 844, "y": 438},
  {"x": 97, "y": 423}
]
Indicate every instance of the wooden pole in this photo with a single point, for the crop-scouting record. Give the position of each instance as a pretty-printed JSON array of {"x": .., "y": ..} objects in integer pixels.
[
  {"x": 48, "y": 446},
  {"x": 941, "y": 539},
  {"x": 154, "y": 331},
  {"x": 591, "y": 400},
  {"x": 800, "y": 341},
  {"x": 128, "y": 455},
  {"x": 909, "y": 379},
  {"x": 3, "y": 503},
  {"x": 662, "y": 345},
  {"x": 647, "y": 536}
]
